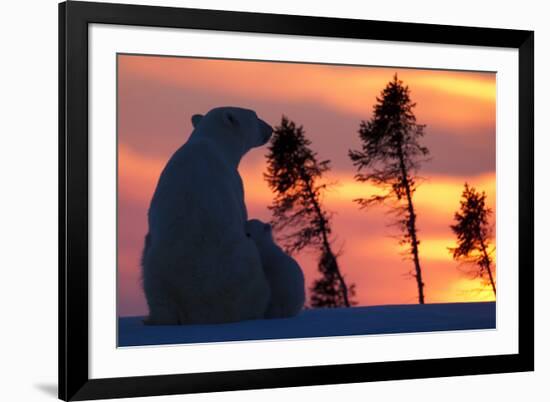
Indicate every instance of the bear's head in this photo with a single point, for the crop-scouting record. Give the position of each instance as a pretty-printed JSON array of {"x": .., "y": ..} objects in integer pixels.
[
  {"x": 237, "y": 129},
  {"x": 258, "y": 231}
]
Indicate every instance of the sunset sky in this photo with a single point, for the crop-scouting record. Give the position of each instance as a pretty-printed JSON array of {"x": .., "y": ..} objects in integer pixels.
[{"x": 158, "y": 95}]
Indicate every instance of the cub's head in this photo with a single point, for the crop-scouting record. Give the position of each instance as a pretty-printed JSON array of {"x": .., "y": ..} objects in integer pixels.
[
  {"x": 240, "y": 128},
  {"x": 258, "y": 231}
]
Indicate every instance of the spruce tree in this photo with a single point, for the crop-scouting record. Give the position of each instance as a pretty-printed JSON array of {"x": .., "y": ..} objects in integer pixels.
[
  {"x": 294, "y": 175},
  {"x": 473, "y": 233},
  {"x": 390, "y": 157}
]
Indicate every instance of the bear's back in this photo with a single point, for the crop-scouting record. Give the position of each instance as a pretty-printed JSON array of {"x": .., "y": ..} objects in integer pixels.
[
  {"x": 286, "y": 281},
  {"x": 196, "y": 181}
]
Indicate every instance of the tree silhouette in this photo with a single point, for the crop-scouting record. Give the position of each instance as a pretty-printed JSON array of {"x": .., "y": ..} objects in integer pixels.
[
  {"x": 389, "y": 158},
  {"x": 473, "y": 233},
  {"x": 293, "y": 173},
  {"x": 327, "y": 291}
]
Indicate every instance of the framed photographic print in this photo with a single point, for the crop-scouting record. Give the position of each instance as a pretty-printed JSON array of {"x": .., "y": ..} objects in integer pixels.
[{"x": 257, "y": 200}]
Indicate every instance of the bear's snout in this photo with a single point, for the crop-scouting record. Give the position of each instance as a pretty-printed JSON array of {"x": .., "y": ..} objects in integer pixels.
[{"x": 265, "y": 131}]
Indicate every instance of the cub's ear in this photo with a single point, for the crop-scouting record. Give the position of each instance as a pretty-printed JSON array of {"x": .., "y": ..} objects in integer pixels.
[
  {"x": 230, "y": 119},
  {"x": 196, "y": 119}
]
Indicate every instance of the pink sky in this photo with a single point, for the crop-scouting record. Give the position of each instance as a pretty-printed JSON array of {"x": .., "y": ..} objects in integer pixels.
[{"x": 158, "y": 95}]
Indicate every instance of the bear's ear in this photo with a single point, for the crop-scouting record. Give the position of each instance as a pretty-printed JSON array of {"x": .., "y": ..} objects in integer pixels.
[
  {"x": 196, "y": 119},
  {"x": 230, "y": 119}
]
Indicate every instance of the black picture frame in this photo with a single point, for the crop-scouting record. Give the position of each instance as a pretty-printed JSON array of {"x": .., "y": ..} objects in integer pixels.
[{"x": 74, "y": 381}]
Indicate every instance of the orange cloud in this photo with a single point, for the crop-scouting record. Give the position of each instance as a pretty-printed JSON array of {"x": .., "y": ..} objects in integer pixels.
[
  {"x": 137, "y": 174},
  {"x": 438, "y": 196},
  {"x": 461, "y": 99},
  {"x": 463, "y": 290}
]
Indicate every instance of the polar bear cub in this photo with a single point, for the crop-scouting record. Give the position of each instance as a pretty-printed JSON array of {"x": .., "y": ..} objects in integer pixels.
[
  {"x": 283, "y": 273},
  {"x": 198, "y": 265}
]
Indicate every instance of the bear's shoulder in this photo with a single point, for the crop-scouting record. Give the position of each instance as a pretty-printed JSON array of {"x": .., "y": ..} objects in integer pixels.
[{"x": 196, "y": 152}]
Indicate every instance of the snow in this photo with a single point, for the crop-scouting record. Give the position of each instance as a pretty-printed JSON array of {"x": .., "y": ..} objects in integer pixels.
[{"x": 388, "y": 319}]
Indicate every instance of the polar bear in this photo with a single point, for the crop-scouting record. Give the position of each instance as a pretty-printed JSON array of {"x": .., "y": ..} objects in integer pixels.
[
  {"x": 198, "y": 266},
  {"x": 283, "y": 273}
]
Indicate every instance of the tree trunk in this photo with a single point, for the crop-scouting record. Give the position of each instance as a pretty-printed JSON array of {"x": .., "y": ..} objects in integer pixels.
[
  {"x": 326, "y": 243},
  {"x": 411, "y": 227},
  {"x": 334, "y": 264},
  {"x": 487, "y": 262}
]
